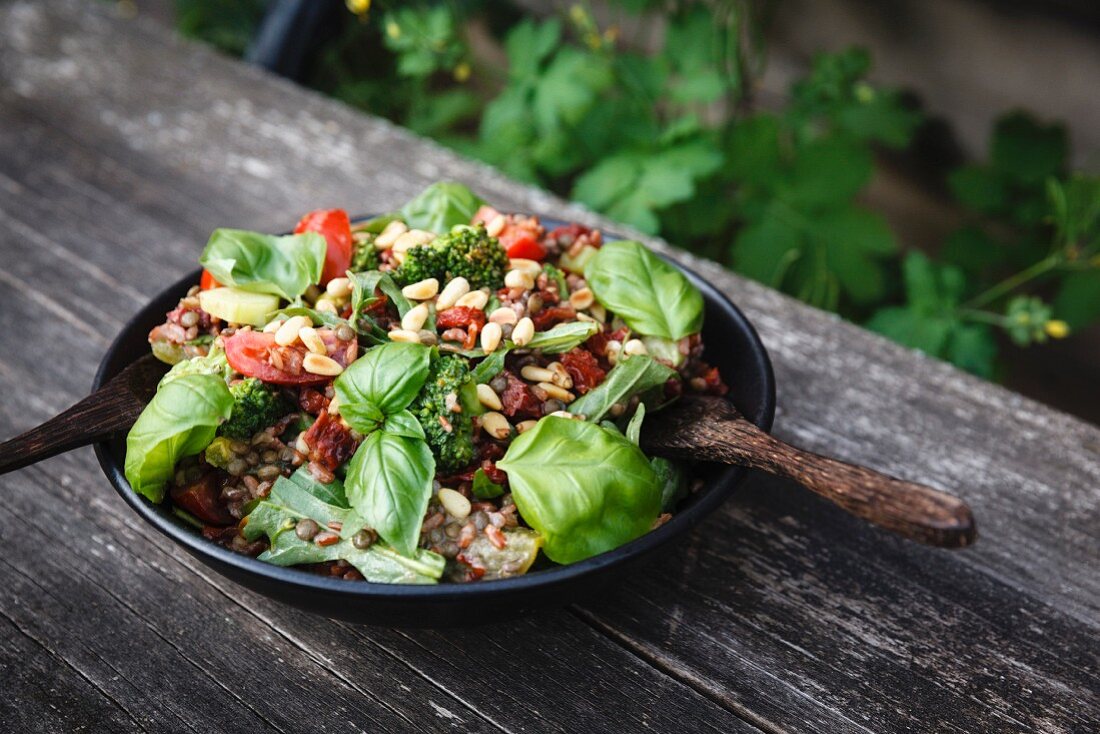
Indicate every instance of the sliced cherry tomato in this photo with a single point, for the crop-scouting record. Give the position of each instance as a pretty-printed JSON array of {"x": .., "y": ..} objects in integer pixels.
[
  {"x": 485, "y": 214},
  {"x": 335, "y": 226},
  {"x": 521, "y": 243},
  {"x": 255, "y": 354},
  {"x": 200, "y": 498},
  {"x": 206, "y": 282}
]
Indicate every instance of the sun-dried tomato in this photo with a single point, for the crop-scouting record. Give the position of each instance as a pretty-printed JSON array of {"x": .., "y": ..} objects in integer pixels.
[
  {"x": 547, "y": 317},
  {"x": 330, "y": 441},
  {"x": 715, "y": 386},
  {"x": 312, "y": 401},
  {"x": 495, "y": 475},
  {"x": 490, "y": 450},
  {"x": 202, "y": 498},
  {"x": 583, "y": 368},
  {"x": 460, "y": 316},
  {"x": 567, "y": 235},
  {"x": 518, "y": 399},
  {"x": 597, "y": 343}
]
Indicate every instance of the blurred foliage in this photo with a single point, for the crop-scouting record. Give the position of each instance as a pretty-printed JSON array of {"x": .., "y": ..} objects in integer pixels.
[{"x": 669, "y": 142}]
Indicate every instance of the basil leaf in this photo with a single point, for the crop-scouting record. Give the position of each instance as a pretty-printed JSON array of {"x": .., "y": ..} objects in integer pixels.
[
  {"x": 633, "y": 376},
  {"x": 403, "y": 424},
  {"x": 441, "y": 206},
  {"x": 264, "y": 263},
  {"x": 586, "y": 490},
  {"x": 381, "y": 382},
  {"x": 490, "y": 367},
  {"x": 214, "y": 363},
  {"x": 179, "y": 421},
  {"x": 364, "y": 287},
  {"x": 485, "y": 488},
  {"x": 389, "y": 483},
  {"x": 634, "y": 427},
  {"x": 290, "y": 502},
  {"x": 673, "y": 482},
  {"x": 651, "y": 296},
  {"x": 331, "y": 493},
  {"x": 375, "y": 225},
  {"x": 563, "y": 337},
  {"x": 319, "y": 318}
]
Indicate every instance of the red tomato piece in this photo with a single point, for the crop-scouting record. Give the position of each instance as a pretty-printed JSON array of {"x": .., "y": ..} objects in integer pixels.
[
  {"x": 255, "y": 354},
  {"x": 484, "y": 215},
  {"x": 335, "y": 227},
  {"x": 201, "y": 499},
  {"x": 583, "y": 368},
  {"x": 460, "y": 316},
  {"x": 330, "y": 442},
  {"x": 206, "y": 282},
  {"x": 521, "y": 244},
  {"x": 548, "y": 317}
]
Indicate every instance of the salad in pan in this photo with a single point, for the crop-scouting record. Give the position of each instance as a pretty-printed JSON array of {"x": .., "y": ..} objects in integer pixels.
[{"x": 444, "y": 393}]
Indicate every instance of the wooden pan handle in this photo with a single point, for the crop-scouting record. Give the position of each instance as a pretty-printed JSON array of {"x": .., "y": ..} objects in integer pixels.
[{"x": 914, "y": 511}]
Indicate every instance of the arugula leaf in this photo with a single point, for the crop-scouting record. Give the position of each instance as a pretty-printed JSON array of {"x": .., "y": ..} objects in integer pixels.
[
  {"x": 389, "y": 483},
  {"x": 441, "y": 206},
  {"x": 291, "y": 500},
  {"x": 673, "y": 482},
  {"x": 490, "y": 367},
  {"x": 364, "y": 286},
  {"x": 633, "y": 430},
  {"x": 651, "y": 296},
  {"x": 586, "y": 490},
  {"x": 562, "y": 337},
  {"x": 179, "y": 421},
  {"x": 319, "y": 318},
  {"x": 636, "y": 375},
  {"x": 263, "y": 263},
  {"x": 381, "y": 383}
]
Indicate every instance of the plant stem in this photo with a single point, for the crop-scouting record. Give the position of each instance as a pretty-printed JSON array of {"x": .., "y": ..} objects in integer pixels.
[
  {"x": 985, "y": 317},
  {"x": 1013, "y": 282}
]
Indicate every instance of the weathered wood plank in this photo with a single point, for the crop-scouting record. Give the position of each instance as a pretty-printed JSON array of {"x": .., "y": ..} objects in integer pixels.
[{"x": 780, "y": 609}]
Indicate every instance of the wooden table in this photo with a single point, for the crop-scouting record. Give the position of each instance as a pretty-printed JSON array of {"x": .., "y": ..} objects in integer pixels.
[{"x": 122, "y": 147}]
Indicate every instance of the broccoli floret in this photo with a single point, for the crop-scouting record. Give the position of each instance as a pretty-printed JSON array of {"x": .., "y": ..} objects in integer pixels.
[
  {"x": 255, "y": 407},
  {"x": 450, "y": 434},
  {"x": 468, "y": 252},
  {"x": 364, "y": 255}
]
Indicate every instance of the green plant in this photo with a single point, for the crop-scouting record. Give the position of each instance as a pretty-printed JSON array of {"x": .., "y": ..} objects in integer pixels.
[{"x": 668, "y": 140}]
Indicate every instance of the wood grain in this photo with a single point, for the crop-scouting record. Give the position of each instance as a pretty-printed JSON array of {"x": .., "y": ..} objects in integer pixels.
[{"x": 121, "y": 148}]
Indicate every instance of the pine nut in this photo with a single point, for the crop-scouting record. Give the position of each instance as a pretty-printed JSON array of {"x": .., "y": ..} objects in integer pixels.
[
  {"x": 491, "y": 335},
  {"x": 326, "y": 305},
  {"x": 496, "y": 425},
  {"x": 312, "y": 340},
  {"x": 273, "y": 326},
  {"x": 455, "y": 503},
  {"x": 334, "y": 405},
  {"x": 422, "y": 290},
  {"x": 474, "y": 299},
  {"x": 531, "y": 267},
  {"x": 503, "y": 315},
  {"x": 561, "y": 375},
  {"x": 489, "y": 398},
  {"x": 582, "y": 298},
  {"x": 519, "y": 279},
  {"x": 496, "y": 225},
  {"x": 287, "y": 334},
  {"x": 524, "y": 426},
  {"x": 404, "y": 335},
  {"x": 635, "y": 346},
  {"x": 412, "y": 238},
  {"x": 557, "y": 392},
  {"x": 339, "y": 287},
  {"x": 599, "y": 312},
  {"x": 533, "y": 373},
  {"x": 414, "y": 318},
  {"x": 319, "y": 364},
  {"x": 389, "y": 235},
  {"x": 524, "y": 332},
  {"x": 454, "y": 290},
  {"x": 565, "y": 414}
]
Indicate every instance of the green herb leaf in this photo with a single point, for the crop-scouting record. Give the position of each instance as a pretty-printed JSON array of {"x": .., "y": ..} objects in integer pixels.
[
  {"x": 636, "y": 375},
  {"x": 381, "y": 383},
  {"x": 179, "y": 421},
  {"x": 586, "y": 490},
  {"x": 364, "y": 288},
  {"x": 403, "y": 424},
  {"x": 263, "y": 263},
  {"x": 389, "y": 483},
  {"x": 651, "y": 296},
  {"x": 441, "y": 206},
  {"x": 485, "y": 488}
]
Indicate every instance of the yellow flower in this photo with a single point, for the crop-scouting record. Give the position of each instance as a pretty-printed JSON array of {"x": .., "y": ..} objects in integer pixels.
[
  {"x": 359, "y": 7},
  {"x": 1057, "y": 329},
  {"x": 393, "y": 30},
  {"x": 462, "y": 72}
]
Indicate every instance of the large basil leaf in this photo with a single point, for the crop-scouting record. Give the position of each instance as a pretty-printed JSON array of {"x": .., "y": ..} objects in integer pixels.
[
  {"x": 651, "y": 296},
  {"x": 585, "y": 489},
  {"x": 298, "y": 498},
  {"x": 179, "y": 421},
  {"x": 441, "y": 206},
  {"x": 388, "y": 484},
  {"x": 264, "y": 263},
  {"x": 381, "y": 383},
  {"x": 635, "y": 375}
]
